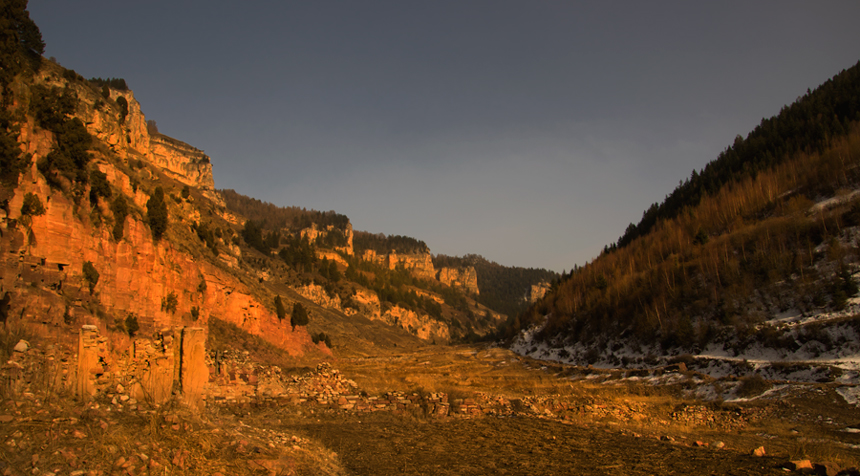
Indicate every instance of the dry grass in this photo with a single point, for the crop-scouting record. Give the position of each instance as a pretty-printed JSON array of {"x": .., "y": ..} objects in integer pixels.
[{"x": 465, "y": 371}]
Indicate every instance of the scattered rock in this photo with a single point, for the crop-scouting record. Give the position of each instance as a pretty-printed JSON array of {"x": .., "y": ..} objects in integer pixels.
[
  {"x": 699, "y": 444},
  {"x": 799, "y": 464},
  {"x": 826, "y": 469},
  {"x": 719, "y": 445},
  {"x": 6, "y": 418},
  {"x": 22, "y": 346},
  {"x": 79, "y": 434},
  {"x": 759, "y": 451}
]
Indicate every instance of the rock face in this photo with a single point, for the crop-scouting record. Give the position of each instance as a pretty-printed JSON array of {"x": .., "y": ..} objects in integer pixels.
[
  {"x": 536, "y": 292},
  {"x": 129, "y": 138},
  {"x": 314, "y": 233},
  {"x": 318, "y": 295},
  {"x": 419, "y": 264},
  {"x": 185, "y": 163},
  {"x": 193, "y": 372},
  {"x": 465, "y": 278},
  {"x": 420, "y": 325},
  {"x": 43, "y": 258},
  {"x": 92, "y": 349}
]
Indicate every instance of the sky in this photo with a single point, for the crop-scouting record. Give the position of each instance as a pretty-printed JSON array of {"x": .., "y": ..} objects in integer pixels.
[{"x": 529, "y": 132}]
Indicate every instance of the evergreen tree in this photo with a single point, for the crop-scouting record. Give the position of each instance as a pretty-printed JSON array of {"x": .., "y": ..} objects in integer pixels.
[
  {"x": 21, "y": 44},
  {"x": 156, "y": 213},
  {"x": 279, "y": 308},
  {"x": 299, "y": 316},
  {"x": 119, "y": 207}
]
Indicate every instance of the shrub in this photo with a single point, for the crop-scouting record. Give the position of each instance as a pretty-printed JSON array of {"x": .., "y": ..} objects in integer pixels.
[
  {"x": 279, "y": 308},
  {"x": 299, "y": 316},
  {"x": 99, "y": 186},
  {"x": 32, "y": 206},
  {"x": 170, "y": 302},
  {"x": 69, "y": 157},
  {"x": 91, "y": 276},
  {"x": 322, "y": 337},
  {"x": 156, "y": 213},
  {"x": 123, "y": 108},
  {"x": 131, "y": 325},
  {"x": 119, "y": 207}
]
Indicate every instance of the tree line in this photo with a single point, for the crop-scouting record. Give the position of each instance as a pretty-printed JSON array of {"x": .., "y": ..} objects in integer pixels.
[{"x": 808, "y": 125}]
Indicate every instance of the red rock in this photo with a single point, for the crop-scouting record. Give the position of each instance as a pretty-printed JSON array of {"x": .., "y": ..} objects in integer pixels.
[
  {"x": 799, "y": 464},
  {"x": 759, "y": 451}
]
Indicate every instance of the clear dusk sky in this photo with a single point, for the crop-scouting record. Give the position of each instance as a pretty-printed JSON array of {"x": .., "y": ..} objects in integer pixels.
[{"x": 530, "y": 132}]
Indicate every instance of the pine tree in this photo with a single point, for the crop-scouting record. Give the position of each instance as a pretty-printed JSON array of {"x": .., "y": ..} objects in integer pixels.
[{"x": 156, "y": 213}]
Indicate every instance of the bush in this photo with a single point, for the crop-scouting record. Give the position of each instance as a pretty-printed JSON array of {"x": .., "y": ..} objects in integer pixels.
[
  {"x": 279, "y": 308},
  {"x": 156, "y": 213},
  {"x": 322, "y": 337},
  {"x": 119, "y": 207},
  {"x": 91, "y": 276},
  {"x": 32, "y": 206},
  {"x": 131, "y": 325},
  {"x": 14, "y": 161},
  {"x": 170, "y": 302},
  {"x": 299, "y": 316},
  {"x": 99, "y": 186},
  {"x": 123, "y": 108},
  {"x": 69, "y": 157}
]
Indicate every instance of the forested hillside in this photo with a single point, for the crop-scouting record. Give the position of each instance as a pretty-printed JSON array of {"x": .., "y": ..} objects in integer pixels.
[
  {"x": 767, "y": 229},
  {"x": 808, "y": 125},
  {"x": 503, "y": 288}
]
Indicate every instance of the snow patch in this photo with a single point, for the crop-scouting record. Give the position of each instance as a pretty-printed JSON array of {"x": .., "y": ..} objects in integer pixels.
[{"x": 850, "y": 394}]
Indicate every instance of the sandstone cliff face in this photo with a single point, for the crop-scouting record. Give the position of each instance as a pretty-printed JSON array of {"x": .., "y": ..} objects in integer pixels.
[
  {"x": 419, "y": 264},
  {"x": 314, "y": 233},
  {"x": 536, "y": 292},
  {"x": 418, "y": 324},
  {"x": 43, "y": 261},
  {"x": 130, "y": 138},
  {"x": 421, "y": 325},
  {"x": 465, "y": 278},
  {"x": 184, "y": 163},
  {"x": 318, "y": 295},
  {"x": 136, "y": 275}
]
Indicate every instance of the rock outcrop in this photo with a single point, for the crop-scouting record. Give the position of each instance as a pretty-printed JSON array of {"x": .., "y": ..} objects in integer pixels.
[
  {"x": 464, "y": 278},
  {"x": 161, "y": 283},
  {"x": 183, "y": 162},
  {"x": 314, "y": 233},
  {"x": 536, "y": 292},
  {"x": 419, "y": 264}
]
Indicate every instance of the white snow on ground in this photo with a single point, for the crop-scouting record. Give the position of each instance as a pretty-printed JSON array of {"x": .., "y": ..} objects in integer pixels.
[
  {"x": 832, "y": 202},
  {"x": 811, "y": 363},
  {"x": 850, "y": 394}
]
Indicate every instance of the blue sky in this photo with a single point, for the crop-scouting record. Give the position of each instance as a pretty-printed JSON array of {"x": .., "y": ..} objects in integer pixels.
[{"x": 529, "y": 132}]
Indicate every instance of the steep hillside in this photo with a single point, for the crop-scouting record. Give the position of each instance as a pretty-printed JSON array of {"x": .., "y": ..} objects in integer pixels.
[
  {"x": 509, "y": 290},
  {"x": 759, "y": 261},
  {"x": 102, "y": 221},
  {"x": 390, "y": 280}
]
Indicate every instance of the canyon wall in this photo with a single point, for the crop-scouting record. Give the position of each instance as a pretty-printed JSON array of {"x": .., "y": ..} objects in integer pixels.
[{"x": 464, "y": 278}]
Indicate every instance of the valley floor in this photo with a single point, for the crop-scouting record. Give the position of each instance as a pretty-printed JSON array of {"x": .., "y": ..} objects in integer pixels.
[{"x": 553, "y": 419}]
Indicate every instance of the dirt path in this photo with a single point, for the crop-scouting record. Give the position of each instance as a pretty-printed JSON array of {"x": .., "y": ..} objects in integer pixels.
[{"x": 391, "y": 445}]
